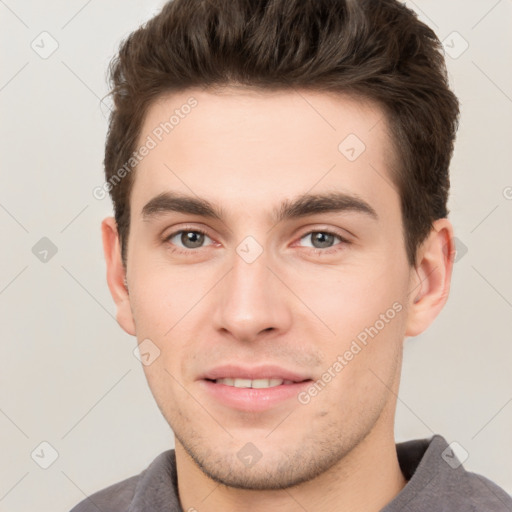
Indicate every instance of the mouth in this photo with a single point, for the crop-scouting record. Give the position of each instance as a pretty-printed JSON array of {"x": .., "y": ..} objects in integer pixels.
[
  {"x": 252, "y": 389},
  {"x": 252, "y": 383}
]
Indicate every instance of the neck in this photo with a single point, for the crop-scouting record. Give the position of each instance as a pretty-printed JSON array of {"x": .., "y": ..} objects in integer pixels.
[{"x": 366, "y": 479}]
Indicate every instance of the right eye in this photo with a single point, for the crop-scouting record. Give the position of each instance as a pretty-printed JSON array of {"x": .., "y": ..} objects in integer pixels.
[{"x": 187, "y": 239}]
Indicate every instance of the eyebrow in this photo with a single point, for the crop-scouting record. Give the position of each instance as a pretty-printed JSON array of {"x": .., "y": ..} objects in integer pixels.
[{"x": 302, "y": 206}]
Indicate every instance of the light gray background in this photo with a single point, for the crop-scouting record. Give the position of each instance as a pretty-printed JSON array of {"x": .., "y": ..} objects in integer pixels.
[{"x": 68, "y": 375}]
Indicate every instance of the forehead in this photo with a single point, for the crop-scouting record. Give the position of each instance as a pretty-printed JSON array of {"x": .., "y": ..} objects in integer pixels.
[{"x": 241, "y": 146}]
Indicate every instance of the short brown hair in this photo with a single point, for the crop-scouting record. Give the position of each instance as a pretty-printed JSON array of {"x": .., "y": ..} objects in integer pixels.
[{"x": 375, "y": 49}]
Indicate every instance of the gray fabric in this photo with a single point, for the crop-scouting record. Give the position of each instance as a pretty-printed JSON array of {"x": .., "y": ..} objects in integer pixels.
[{"x": 433, "y": 485}]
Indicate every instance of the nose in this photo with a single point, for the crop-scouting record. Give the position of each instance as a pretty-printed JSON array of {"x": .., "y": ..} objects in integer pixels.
[{"x": 251, "y": 301}]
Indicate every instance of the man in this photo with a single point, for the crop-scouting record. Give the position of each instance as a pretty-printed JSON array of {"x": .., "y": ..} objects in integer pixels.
[{"x": 279, "y": 173}]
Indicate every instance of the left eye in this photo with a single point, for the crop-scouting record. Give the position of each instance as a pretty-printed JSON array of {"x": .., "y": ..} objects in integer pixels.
[{"x": 322, "y": 239}]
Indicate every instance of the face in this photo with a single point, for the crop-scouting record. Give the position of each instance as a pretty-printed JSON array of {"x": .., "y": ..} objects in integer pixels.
[{"x": 268, "y": 284}]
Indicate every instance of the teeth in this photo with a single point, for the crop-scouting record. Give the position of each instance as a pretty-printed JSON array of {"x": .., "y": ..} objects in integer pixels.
[
  {"x": 254, "y": 383},
  {"x": 266, "y": 383}
]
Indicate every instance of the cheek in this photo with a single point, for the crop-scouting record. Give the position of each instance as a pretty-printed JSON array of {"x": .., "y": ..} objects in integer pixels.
[
  {"x": 168, "y": 308},
  {"x": 347, "y": 302},
  {"x": 161, "y": 296}
]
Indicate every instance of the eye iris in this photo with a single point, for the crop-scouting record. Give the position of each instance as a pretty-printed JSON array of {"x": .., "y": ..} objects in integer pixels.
[
  {"x": 325, "y": 239},
  {"x": 192, "y": 239}
]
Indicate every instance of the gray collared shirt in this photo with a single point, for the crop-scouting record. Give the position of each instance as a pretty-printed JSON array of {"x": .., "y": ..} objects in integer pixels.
[{"x": 437, "y": 482}]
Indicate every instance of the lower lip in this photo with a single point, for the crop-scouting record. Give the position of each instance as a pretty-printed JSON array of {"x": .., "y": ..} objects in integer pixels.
[{"x": 253, "y": 399}]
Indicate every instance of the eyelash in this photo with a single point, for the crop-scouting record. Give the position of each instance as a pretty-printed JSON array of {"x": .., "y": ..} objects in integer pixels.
[{"x": 316, "y": 251}]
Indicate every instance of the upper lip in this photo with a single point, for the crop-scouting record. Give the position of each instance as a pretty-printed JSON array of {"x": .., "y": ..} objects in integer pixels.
[{"x": 255, "y": 372}]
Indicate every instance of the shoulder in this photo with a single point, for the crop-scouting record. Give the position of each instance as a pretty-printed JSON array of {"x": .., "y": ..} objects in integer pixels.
[
  {"x": 158, "y": 477},
  {"x": 468, "y": 492},
  {"x": 478, "y": 493},
  {"x": 114, "y": 498},
  {"x": 462, "y": 488},
  {"x": 437, "y": 480}
]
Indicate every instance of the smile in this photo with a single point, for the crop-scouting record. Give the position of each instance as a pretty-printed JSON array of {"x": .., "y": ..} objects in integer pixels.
[{"x": 252, "y": 383}]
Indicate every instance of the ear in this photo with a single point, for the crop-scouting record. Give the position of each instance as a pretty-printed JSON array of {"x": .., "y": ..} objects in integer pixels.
[
  {"x": 431, "y": 277},
  {"x": 116, "y": 274}
]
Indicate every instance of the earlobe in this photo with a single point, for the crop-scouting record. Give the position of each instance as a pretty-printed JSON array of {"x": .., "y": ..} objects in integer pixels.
[
  {"x": 430, "y": 279},
  {"x": 116, "y": 274}
]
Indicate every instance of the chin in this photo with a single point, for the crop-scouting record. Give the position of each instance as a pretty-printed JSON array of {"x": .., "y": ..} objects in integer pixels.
[{"x": 266, "y": 471}]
